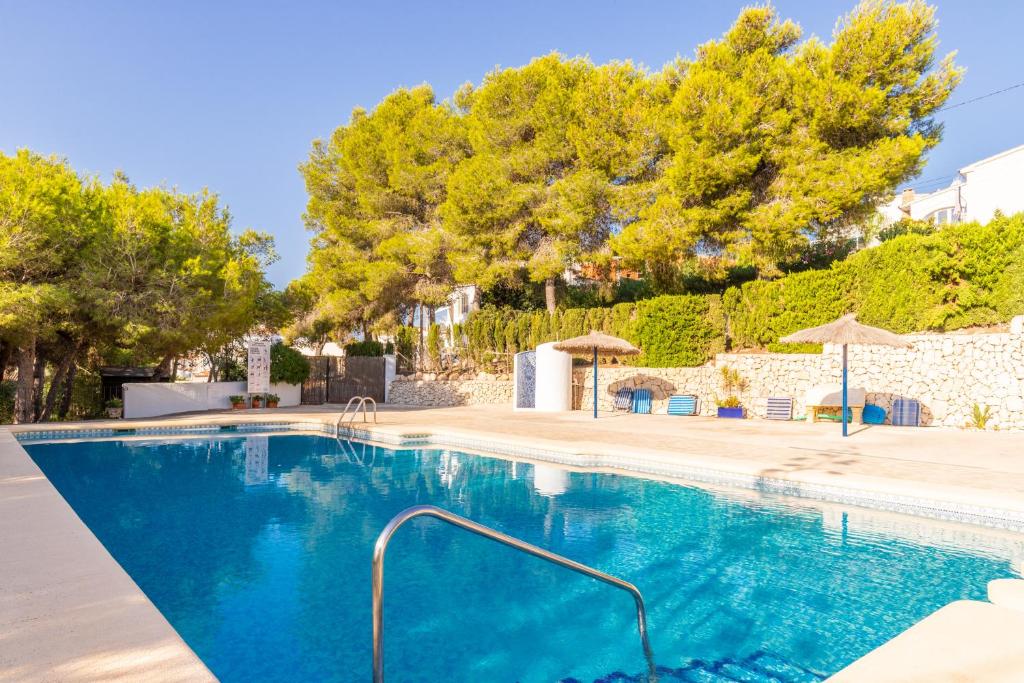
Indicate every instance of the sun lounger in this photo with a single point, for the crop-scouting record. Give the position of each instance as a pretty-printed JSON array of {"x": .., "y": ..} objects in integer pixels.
[
  {"x": 829, "y": 397},
  {"x": 779, "y": 409},
  {"x": 642, "y": 401},
  {"x": 682, "y": 405},
  {"x": 906, "y": 412},
  {"x": 623, "y": 399}
]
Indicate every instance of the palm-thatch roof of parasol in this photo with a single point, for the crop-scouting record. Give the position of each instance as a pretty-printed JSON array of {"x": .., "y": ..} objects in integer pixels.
[
  {"x": 846, "y": 330},
  {"x": 605, "y": 344}
]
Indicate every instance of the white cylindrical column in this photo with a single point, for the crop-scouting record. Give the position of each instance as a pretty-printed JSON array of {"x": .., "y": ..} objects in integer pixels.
[{"x": 554, "y": 379}]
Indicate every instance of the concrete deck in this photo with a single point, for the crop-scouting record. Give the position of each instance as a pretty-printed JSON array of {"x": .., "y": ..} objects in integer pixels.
[{"x": 69, "y": 612}]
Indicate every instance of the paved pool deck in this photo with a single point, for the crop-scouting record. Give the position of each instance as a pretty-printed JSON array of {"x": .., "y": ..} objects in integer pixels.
[{"x": 69, "y": 612}]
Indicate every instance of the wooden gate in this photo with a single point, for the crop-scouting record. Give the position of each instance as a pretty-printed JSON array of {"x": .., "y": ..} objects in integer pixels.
[{"x": 336, "y": 380}]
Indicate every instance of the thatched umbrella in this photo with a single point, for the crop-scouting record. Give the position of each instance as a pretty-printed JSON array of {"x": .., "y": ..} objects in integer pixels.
[
  {"x": 597, "y": 343},
  {"x": 846, "y": 331}
]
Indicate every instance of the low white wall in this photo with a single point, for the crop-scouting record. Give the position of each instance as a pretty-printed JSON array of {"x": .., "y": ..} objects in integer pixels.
[{"x": 153, "y": 400}]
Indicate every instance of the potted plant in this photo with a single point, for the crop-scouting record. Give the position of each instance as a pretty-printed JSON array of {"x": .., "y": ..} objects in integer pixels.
[
  {"x": 237, "y": 402},
  {"x": 273, "y": 400},
  {"x": 257, "y": 400},
  {"x": 732, "y": 383},
  {"x": 115, "y": 407}
]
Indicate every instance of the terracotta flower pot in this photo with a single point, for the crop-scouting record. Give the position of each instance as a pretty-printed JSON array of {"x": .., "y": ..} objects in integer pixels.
[
  {"x": 256, "y": 403},
  {"x": 271, "y": 404},
  {"x": 238, "y": 406}
]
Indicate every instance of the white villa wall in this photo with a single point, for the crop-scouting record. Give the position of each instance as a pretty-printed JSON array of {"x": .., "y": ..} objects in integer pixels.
[
  {"x": 153, "y": 400},
  {"x": 995, "y": 184}
]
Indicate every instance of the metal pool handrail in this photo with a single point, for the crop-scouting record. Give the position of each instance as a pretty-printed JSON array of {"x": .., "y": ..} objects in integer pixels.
[
  {"x": 360, "y": 402},
  {"x": 469, "y": 525}
]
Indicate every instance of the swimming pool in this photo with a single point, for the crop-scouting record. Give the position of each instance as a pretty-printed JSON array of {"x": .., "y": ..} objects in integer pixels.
[{"x": 257, "y": 550}]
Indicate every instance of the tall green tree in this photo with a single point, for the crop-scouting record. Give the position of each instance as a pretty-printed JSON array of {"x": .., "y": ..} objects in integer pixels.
[
  {"x": 116, "y": 274},
  {"x": 375, "y": 186},
  {"x": 776, "y": 142},
  {"x": 47, "y": 217},
  {"x": 524, "y": 200}
]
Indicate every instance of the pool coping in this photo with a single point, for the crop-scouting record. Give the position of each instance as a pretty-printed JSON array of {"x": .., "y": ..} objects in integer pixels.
[
  {"x": 873, "y": 493},
  {"x": 68, "y": 610}
]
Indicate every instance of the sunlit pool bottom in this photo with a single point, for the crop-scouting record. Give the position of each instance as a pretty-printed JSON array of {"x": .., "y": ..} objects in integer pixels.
[{"x": 257, "y": 549}]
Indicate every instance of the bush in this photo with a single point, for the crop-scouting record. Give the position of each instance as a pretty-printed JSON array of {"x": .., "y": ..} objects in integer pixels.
[
  {"x": 287, "y": 365},
  {"x": 679, "y": 331},
  {"x": 364, "y": 348},
  {"x": 960, "y": 276},
  {"x": 7, "y": 390}
]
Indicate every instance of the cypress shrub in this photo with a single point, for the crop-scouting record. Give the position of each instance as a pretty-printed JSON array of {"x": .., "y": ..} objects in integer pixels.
[{"x": 679, "y": 331}]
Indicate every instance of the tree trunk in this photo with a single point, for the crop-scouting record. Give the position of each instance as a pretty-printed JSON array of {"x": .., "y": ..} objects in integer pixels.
[
  {"x": 6, "y": 352},
  {"x": 26, "y": 383},
  {"x": 57, "y": 383},
  {"x": 174, "y": 370},
  {"x": 422, "y": 355},
  {"x": 39, "y": 377},
  {"x": 163, "y": 369},
  {"x": 69, "y": 386},
  {"x": 549, "y": 294}
]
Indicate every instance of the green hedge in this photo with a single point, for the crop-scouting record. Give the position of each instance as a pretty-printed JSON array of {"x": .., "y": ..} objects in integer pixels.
[
  {"x": 287, "y": 365},
  {"x": 671, "y": 330},
  {"x": 960, "y": 276},
  {"x": 364, "y": 348}
]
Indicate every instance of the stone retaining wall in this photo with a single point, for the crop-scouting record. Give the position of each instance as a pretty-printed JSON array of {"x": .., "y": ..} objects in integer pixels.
[
  {"x": 949, "y": 374},
  {"x": 484, "y": 389}
]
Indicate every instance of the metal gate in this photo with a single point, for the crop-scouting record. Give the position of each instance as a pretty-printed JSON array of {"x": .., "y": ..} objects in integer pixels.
[{"x": 335, "y": 380}]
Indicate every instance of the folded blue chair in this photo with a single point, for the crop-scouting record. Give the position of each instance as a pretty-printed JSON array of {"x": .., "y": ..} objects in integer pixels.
[
  {"x": 682, "y": 405},
  {"x": 623, "y": 399},
  {"x": 906, "y": 412},
  {"x": 779, "y": 409},
  {"x": 873, "y": 415},
  {"x": 642, "y": 401}
]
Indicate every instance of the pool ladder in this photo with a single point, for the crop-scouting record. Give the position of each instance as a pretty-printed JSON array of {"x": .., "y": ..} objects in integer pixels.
[
  {"x": 360, "y": 402},
  {"x": 469, "y": 525}
]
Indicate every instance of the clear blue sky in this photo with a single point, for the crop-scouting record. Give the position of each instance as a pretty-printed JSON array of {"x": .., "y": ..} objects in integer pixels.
[{"x": 230, "y": 95}]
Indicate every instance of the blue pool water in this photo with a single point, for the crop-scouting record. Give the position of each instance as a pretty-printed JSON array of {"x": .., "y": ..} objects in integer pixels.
[{"x": 257, "y": 549}]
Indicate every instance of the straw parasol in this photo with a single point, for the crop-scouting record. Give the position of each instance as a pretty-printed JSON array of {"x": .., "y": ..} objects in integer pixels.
[
  {"x": 597, "y": 343},
  {"x": 846, "y": 331}
]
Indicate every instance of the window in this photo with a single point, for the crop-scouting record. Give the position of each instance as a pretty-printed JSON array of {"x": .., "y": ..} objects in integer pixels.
[{"x": 941, "y": 216}]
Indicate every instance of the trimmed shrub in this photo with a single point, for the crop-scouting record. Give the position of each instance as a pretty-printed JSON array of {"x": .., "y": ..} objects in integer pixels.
[
  {"x": 679, "y": 331},
  {"x": 287, "y": 365},
  {"x": 367, "y": 347}
]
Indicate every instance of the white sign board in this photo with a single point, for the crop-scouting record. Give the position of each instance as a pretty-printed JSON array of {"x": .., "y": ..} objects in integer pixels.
[{"x": 259, "y": 367}]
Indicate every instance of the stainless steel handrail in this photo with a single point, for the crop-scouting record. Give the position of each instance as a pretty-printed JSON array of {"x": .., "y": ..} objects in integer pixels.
[
  {"x": 469, "y": 525},
  {"x": 361, "y": 402}
]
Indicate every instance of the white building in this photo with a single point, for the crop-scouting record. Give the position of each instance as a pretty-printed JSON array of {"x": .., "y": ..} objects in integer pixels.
[{"x": 995, "y": 183}]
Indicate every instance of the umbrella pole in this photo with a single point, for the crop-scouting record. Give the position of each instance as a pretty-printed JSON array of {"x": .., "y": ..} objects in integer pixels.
[
  {"x": 845, "y": 402},
  {"x": 595, "y": 382}
]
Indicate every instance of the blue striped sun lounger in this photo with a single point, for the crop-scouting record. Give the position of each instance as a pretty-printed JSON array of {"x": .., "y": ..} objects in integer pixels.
[
  {"x": 623, "y": 399},
  {"x": 906, "y": 412},
  {"x": 779, "y": 409},
  {"x": 642, "y": 401},
  {"x": 681, "y": 404}
]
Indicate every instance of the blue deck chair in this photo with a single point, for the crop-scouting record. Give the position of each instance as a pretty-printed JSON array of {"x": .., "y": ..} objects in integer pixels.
[
  {"x": 906, "y": 412},
  {"x": 682, "y": 405},
  {"x": 642, "y": 401},
  {"x": 623, "y": 399},
  {"x": 779, "y": 409},
  {"x": 873, "y": 415}
]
